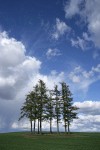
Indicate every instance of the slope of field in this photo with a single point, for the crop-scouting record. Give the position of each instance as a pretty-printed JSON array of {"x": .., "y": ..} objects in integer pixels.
[{"x": 26, "y": 141}]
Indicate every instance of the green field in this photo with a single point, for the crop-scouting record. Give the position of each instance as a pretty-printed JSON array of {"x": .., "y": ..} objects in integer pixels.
[{"x": 26, "y": 141}]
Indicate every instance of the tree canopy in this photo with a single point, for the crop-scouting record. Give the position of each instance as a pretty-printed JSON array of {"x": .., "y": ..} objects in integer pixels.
[{"x": 45, "y": 104}]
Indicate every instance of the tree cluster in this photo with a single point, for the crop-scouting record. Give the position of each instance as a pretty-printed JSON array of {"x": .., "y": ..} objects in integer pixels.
[{"x": 42, "y": 104}]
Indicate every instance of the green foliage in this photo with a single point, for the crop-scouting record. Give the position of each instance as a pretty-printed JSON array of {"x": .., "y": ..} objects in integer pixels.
[
  {"x": 43, "y": 104},
  {"x": 56, "y": 99},
  {"x": 68, "y": 110}
]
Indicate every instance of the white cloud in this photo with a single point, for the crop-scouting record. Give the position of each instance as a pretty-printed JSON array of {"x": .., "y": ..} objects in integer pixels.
[
  {"x": 72, "y": 8},
  {"x": 79, "y": 43},
  {"x": 18, "y": 74},
  {"x": 89, "y": 107},
  {"x": 60, "y": 29},
  {"x": 15, "y": 67},
  {"x": 90, "y": 14},
  {"x": 10, "y": 110},
  {"x": 53, "y": 52},
  {"x": 82, "y": 78},
  {"x": 19, "y": 77},
  {"x": 89, "y": 116},
  {"x": 82, "y": 42},
  {"x": 11, "y": 50}
]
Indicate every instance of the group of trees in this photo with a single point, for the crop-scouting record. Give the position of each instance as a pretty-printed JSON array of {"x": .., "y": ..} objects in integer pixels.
[{"x": 42, "y": 104}]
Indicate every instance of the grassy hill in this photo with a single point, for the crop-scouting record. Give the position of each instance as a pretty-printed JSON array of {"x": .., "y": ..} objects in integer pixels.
[{"x": 26, "y": 141}]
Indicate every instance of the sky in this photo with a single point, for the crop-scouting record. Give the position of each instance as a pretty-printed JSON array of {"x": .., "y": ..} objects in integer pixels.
[{"x": 54, "y": 41}]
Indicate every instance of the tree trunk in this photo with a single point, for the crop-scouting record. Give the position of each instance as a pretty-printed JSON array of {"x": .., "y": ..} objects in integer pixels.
[
  {"x": 38, "y": 127},
  {"x": 65, "y": 127},
  {"x": 34, "y": 126},
  {"x": 68, "y": 128},
  {"x": 57, "y": 126},
  {"x": 31, "y": 125},
  {"x": 50, "y": 125}
]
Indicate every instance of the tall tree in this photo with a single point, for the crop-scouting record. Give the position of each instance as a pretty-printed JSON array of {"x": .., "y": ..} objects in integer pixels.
[
  {"x": 56, "y": 94},
  {"x": 50, "y": 110},
  {"x": 42, "y": 100},
  {"x": 40, "y": 105},
  {"x": 26, "y": 110},
  {"x": 33, "y": 98},
  {"x": 68, "y": 110},
  {"x": 36, "y": 91}
]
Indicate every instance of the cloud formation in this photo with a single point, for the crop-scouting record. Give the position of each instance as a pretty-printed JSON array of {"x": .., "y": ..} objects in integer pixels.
[
  {"x": 82, "y": 79},
  {"x": 89, "y": 12},
  {"x": 18, "y": 74},
  {"x": 89, "y": 117},
  {"x": 60, "y": 29},
  {"x": 15, "y": 67},
  {"x": 53, "y": 52},
  {"x": 72, "y": 8},
  {"x": 79, "y": 43}
]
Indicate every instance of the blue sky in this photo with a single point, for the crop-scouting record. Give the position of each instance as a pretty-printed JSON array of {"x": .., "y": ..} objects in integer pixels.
[{"x": 53, "y": 40}]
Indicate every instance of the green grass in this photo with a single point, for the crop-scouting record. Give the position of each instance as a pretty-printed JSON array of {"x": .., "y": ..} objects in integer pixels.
[{"x": 26, "y": 141}]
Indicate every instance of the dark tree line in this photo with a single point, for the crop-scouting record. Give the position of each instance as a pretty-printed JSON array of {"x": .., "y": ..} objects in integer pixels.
[{"x": 42, "y": 104}]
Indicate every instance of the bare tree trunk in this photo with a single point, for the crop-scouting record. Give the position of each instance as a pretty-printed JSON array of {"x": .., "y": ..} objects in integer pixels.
[
  {"x": 31, "y": 125},
  {"x": 50, "y": 125},
  {"x": 57, "y": 126},
  {"x": 34, "y": 125},
  {"x": 38, "y": 127},
  {"x": 68, "y": 128},
  {"x": 65, "y": 127}
]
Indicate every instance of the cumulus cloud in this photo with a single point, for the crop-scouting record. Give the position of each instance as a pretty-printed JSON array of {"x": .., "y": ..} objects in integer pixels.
[
  {"x": 88, "y": 107},
  {"x": 18, "y": 74},
  {"x": 92, "y": 9},
  {"x": 89, "y": 12},
  {"x": 60, "y": 29},
  {"x": 82, "y": 78},
  {"x": 53, "y": 52},
  {"x": 10, "y": 110},
  {"x": 89, "y": 116},
  {"x": 72, "y": 8},
  {"x": 15, "y": 67}
]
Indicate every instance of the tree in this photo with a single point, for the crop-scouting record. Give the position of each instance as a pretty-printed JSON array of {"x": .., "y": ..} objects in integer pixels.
[
  {"x": 56, "y": 99},
  {"x": 36, "y": 91},
  {"x": 64, "y": 104},
  {"x": 42, "y": 104},
  {"x": 33, "y": 98},
  {"x": 49, "y": 110},
  {"x": 68, "y": 110},
  {"x": 42, "y": 100},
  {"x": 26, "y": 110}
]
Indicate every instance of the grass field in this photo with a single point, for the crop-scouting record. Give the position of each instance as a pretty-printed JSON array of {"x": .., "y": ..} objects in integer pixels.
[{"x": 26, "y": 141}]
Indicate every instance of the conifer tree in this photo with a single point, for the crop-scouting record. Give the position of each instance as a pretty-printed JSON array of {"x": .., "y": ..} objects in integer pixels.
[
  {"x": 68, "y": 110},
  {"x": 56, "y": 98},
  {"x": 36, "y": 91},
  {"x": 42, "y": 104},
  {"x": 42, "y": 100},
  {"x": 49, "y": 110},
  {"x": 26, "y": 110},
  {"x": 34, "y": 107}
]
